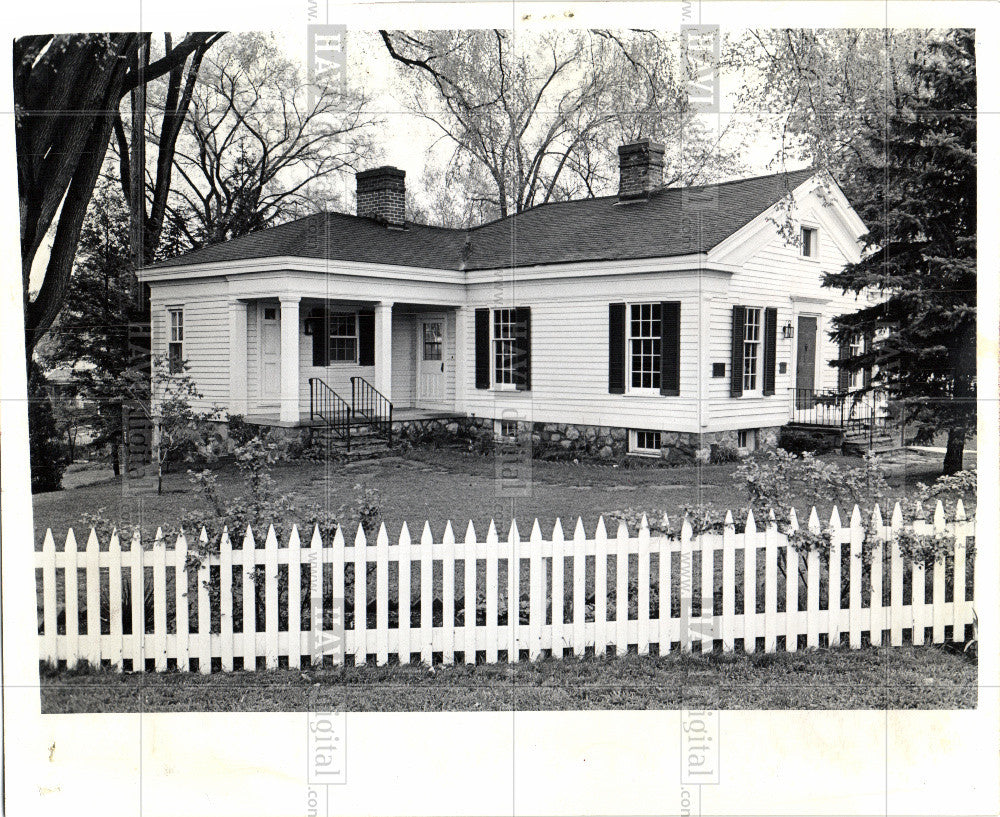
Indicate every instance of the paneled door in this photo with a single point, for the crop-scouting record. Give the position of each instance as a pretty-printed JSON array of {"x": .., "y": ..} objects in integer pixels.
[
  {"x": 270, "y": 355},
  {"x": 805, "y": 362},
  {"x": 430, "y": 359}
]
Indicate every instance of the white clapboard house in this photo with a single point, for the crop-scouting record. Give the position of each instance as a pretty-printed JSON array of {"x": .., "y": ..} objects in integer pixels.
[{"x": 652, "y": 321}]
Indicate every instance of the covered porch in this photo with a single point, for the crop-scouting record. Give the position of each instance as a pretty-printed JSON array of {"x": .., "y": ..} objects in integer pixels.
[{"x": 292, "y": 357}]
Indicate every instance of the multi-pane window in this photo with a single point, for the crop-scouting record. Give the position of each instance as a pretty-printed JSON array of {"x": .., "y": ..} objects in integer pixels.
[
  {"x": 504, "y": 329},
  {"x": 432, "y": 340},
  {"x": 809, "y": 249},
  {"x": 854, "y": 349},
  {"x": 751, "y": 350},
  {"x": 644, "y": 442},
  {"x": 644, "y": 346},
  {"x": 343, "y": 337},
  {"x": 175, "y": 343}
]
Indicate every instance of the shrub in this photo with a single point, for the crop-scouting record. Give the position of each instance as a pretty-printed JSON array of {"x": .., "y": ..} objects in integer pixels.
[
  {"x": 799, "y": 441},
  {"x": 722, "y": 454}
]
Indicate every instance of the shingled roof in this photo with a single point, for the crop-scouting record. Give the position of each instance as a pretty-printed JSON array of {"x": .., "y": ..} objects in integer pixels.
[{"x": 598, "y": 229}]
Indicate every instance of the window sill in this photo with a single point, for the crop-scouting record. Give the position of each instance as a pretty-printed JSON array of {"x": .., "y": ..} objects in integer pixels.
[{"x": 647, "y": 453}]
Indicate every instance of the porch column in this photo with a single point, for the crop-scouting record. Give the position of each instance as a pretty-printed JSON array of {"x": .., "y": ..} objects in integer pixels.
[
  {"x": 238, "y": 357},
  {"x": 383, "y": 348},
  {"x": 461, "y": 342},
  {"x": 289, "y": 358}
]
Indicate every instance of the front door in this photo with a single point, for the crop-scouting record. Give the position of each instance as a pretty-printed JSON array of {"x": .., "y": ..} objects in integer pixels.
[
  {"x": 805, "y": 362},
  {"x": 430, "y": 359},
  {"x": 270, "y": 355}
]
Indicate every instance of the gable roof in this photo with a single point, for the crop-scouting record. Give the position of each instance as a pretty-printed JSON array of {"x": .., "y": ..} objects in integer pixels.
[{"x": 599, "y": 229}]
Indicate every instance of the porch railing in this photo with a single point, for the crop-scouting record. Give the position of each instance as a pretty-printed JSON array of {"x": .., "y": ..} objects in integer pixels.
[
  {"x": 369, "y": 403},
  {"x": 855, "y": 412},
  {"x": 334, "y": 410}
]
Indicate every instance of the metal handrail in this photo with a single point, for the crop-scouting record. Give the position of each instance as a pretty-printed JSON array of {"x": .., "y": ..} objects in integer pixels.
[
  {"x": 859, "y": 412},
  {"x": 375, "y": 407},
  {"x": 330, "y": 407}
]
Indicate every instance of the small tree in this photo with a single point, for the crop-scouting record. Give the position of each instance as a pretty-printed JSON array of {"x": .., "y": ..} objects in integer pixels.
[{"x": 179, "y": 431}]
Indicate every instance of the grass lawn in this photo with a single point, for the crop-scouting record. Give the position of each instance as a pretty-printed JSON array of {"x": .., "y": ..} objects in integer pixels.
[
  {"x": 896, "y": 678},
  {"x": 441, "y": 484}
]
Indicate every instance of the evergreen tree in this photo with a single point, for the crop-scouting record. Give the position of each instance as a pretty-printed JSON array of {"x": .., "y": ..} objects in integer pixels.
[
  {"x": 919, "y": 203},
  {"x": 91, "y": 333}
]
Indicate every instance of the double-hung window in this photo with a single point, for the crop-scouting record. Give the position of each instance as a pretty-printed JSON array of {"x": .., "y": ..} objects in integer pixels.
[
  {"x": 503, "y": 348},
  {"x": 175, "y": 342},
  {"x": 644, "y": 341},
  {"x": 752, "y": 351},
  {"x": 343, "y": 338},
  {"x": 808, "y": 242},
  {"x": 504, "y": 338},
  {"x": 855, "y": 348}
]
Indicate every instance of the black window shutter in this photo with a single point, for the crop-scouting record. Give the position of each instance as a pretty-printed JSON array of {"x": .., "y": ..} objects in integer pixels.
[
  {"x": 670, "y": 348},
  {"x": 843, "y": 376},
  {"x": 482, "y": 348},
  {"x": 770, "y": 348},
  {"x": 616, "y": 348},
  {"x": 366, "y": 337},
  {"x": 736, "y": 364},
  {"x": 522, "y": 348},
  {"x": 321, "y": 337}
]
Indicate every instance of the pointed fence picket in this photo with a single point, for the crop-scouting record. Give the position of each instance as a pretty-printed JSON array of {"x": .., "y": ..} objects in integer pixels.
[{"x": 174, "y": 604}]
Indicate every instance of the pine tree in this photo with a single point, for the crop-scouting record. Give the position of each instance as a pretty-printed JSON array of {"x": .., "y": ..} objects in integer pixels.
[
  {"x": 919, "y": 201},
  {"x": 90, "y": 334}
]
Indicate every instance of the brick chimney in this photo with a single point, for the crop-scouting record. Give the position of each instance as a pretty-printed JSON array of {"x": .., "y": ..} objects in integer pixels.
[
  {"x": 381, "y": 195},
  {"x": 640, "y": 169}
]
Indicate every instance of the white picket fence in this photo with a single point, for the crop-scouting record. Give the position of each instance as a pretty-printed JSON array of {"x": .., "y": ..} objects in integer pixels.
[{"x": 568, "y": 569}]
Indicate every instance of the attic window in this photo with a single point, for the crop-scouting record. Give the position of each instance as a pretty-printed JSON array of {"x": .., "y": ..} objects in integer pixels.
[{"x": 808, "y": 242}]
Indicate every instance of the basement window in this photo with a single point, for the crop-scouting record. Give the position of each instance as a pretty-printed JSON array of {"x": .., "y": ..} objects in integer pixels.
[
  {"x": 644, "y": 443},
  {"x": 746, "y": 439}
]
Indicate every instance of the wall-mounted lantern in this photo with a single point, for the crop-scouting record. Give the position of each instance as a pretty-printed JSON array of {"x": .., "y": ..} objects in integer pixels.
[{"x": 787, "y": 332}]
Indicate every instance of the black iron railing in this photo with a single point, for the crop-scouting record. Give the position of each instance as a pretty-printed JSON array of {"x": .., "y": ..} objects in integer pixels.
[
  {"x": 369, "y": 403},
  {"x": 325, "y": 404},
  {"x": 856, "y": 412}
]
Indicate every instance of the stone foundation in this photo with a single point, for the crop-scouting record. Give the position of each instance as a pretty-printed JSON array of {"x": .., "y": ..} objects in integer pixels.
[
  {"x": 564, "y": 441},
  {"x": 575, "y": 441}
]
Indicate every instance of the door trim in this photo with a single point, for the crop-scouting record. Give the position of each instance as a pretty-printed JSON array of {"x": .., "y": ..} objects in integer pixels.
[
  {"x": 816, "y": 360},
  {"x": 262, "y": 400},
  {"x": 442, "y": 318}
]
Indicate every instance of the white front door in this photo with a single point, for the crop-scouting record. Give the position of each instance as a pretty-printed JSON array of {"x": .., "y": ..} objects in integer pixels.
[
  {"x": 270, "y": 354},
  {"x": 430, "y": 359}
]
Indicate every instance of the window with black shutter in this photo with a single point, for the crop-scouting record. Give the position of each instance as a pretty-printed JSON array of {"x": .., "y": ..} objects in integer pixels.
[
  {"x": 736, "y": 362},
  {"x": 616, "y": 348},
  {"x": 770, "y": 348},
  {"x": 670, "y": 348},
  {"x": 522, "y": 348},
  {"x": 482, "y": 348},
  {"x": 366, "y": 337}
]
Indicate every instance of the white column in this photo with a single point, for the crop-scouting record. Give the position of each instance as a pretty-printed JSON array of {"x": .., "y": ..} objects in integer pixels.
[
  {"x": 461, "y": 354},
  {"x": 383, "y": 348},
  {"x": 238, "y": 357},
  {"x": 289, "y": 358}
]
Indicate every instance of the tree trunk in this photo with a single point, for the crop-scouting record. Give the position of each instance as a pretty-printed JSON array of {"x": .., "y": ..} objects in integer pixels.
[
  {"x": 955, "y": 450},
  {"x": 116, "y": 463}
]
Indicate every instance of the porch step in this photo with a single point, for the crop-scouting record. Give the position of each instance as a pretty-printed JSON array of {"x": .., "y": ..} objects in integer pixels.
[
  {"x": 365, "y": 443},
  {"x": 880, "y": 442}
]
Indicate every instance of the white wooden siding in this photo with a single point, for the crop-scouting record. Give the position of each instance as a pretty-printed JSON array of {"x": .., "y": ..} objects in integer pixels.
[
  {"x": 569, "y": 352},
  {"x": 206, "y": 334}
]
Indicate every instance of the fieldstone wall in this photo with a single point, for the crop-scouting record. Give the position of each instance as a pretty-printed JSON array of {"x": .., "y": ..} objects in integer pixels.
[
  {"x": 567, "y": 441},
  {"x": 574, "y": 441}
]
